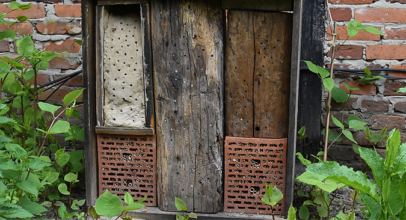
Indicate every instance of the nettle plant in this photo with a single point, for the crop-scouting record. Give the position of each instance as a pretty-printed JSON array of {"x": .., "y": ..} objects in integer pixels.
[{"x": 35, "y": 171}]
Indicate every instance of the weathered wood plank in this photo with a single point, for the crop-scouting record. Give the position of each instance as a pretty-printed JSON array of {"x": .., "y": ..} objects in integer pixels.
[
  {"x": 99, "y": 64},
  {"x": 89, "y": 82},
  {"x": 293, "y": 103},
  {"x": 124, "y": 131},
  {"x": 239, "y": 74},
  {"x": 310, "y": 85},
  {"x": 188, "y": 68},
  {"x": 273, "y": 43},
  {"x": 121, "y": 2},
  {"x": 261, "y": 5}
]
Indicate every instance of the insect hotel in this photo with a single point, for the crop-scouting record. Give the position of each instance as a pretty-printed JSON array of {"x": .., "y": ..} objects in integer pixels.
[{"x": 195, "y": 99}]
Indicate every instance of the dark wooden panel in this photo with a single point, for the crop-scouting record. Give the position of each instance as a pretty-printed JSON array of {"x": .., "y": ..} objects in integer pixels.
[
  {"x": 188, "y": 70},
  {"x": 89, "y": 82},
  {"x": 310, "y": 85},
  {"x": 239, "y": 74},
  {"x": 121, "y": 2},
  {"x": 124, "y": 131},
  {"x": 262, "y": 5},
  {"x": 273, "y": 43}
]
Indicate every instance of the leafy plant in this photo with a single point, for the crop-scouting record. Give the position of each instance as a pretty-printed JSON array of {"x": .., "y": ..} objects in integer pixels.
[
  {"x": 272, "y": 196},
  {"x": 181, "y": 207},
  {"x": 29, "y": 178}
]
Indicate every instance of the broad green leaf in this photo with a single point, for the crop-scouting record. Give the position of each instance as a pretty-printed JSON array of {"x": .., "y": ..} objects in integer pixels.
[
  {"x": 312, "y": 67},
  {"x": 367, "y": 71},
  {"x": 38, "y": 164},
  {"x": 63, "y": 188},
  {"x": 333, "y": 171},
  {"x": 29, "y": 187},
  {"x": 48, "y": 107},
  {"x": 128, "y": 198},
  {"x": 47, "y": 55},
  {"x": 78, "y": 42},
  {"x": 192, "y": 215},
  {"x": 369, "y": 80},
  {"x": 402, "y": 90},
  {"x": 92, "y": 213},
  {"x": 15, "y": 87},
  {"x": 18, "y": 151},
  {"x": 25, "y": 6},
  {"x": 272, "y": 196},
  {"x": 367, "y": 131},
  {"x": 32, "y": 207},
  {"x": 22, "y": 18},
  {"x": 337, "y": 122},
  {"x": 70, "y": 177},
  {"x": 60, "y": 127},
  {"x": 75, "y": 159},
  {"x": 358, "y": 25},
  {"x": 375, "y": 138},
  {"x": 72, "y": 96},
  {"x": 323, "y": 72},
  {"x": 61, "y": 157},
  {"x": 375, "y": 162},
  {"x": 142, "y": 200},
  {"x": 313, "y": 179},
  {"x": 28, "y": 75},
  {"x": 349, "y": 88},
  {"x": 399, "y": 166},
  {"x": 322, "y": 211},
  {"x": 303, "y": 212},
  {"x": 402, "y": 188},
  {"x": 14, "y": 5},
  {"x": 180, "y": 205},
  {"x": 4, "y": 65},
  {"x": 339, "y": 95},
  {"x": 395, "y": 201},
  {"x": 133, "y": 207},
  {"x": 301, "y": 133},
  {"x": 374, "y": 30},
  {"x": 332, "y": 136},
  {"x": 291, "y": 213},
  {"x": 63, "y": 213},
  {"x": 303, "y": 160},
  {"x": 392, "y": 148},
  {"x": 7, "y": 34},
  {"x": 348, "y": 134},
  {"x": 351, "y": 30},
  {"x": 25, "y": 47},
  {"x": 357, "y": 125},
  {"x": 328, "y": 83},
  {"x": 108, "y": 205},
  {"x": 10, "y": 79}
]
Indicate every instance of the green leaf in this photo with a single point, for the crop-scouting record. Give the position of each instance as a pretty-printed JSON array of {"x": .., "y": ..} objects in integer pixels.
[
  {"x": 133, "y": 207},
  {"x": 351, "y": 29},
  {"x": 25, "y": 6},
  {"x": 72, "y": 96},
  {"x": 375, "y": 138},
  {"x": 339, "y": 95},
  {"x": 28, "y": 75},
  {"x": 4, "y": 65},
  {"x": 63, "y": 188},
  {"x": 92, "y": 213},
  {"x": 322, "y": 211},
  {"x": 392, "y": 148},
  {"x": 323, "y": 72},
  {"x": 333, "y": 171},
  {"x": 75, "y": 159},
  {"x": 357, "y": 125},
  {"x": 369, "y": 80},
  {"x": 367, "y": 71},
  {"x": 313, "y": 179},
  {"x": 328, "y": 83},
  {"x": 180, "y": 205},
  {"x": 7, "y": 34},
  {"x": 192, "y": 215},
  {"x": 348, "y": 134},
  {"x": 22, "y": 18},
  {"x": 349, "y": 88},
  {"x": 358, "y": 25},
  {"x": 375, "y": 162},
  {"x": 142, "y": 200},
  {"x": 303, "y": 160},
  {"x": 70, "y": 177},
  {"x": 291, "y": 213},
  {"x": 312, "y": 67},
  {"x": 16, "y": 149},
  {"x": 47, "y": 55},
  {"x": 60, "y": 127},
  {"x": 61, "y": 157},
  {"x": 25, "y": 47},
  {"x": 10, "y": 79},
  {"x": 63, "y": 213},
  {"x": 399, "y": 166},
  {"x": 337, "y": 122},
  {"x": 367, "y": 131},
  {"x": 29, "y": 187},
  {"x": 108, "y": 205},
  {"x": 37, "y": 164},
  {"x": 402, "y": 90},
  {"x": 48, "y": 107},
  {"x": 14, "y": 5},
  {"x": 374, "y": 30},
  {"x": 78, "y": 42},
  {"x": 15, "y": 87},
  {"x": 128, "y": 198},
  {"x": 303, "y": 212},
  {"x": 32, "y": 207}
]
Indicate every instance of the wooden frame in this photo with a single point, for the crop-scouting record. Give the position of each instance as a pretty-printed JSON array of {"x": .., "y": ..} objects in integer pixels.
[{"x": 258, "y": 5}]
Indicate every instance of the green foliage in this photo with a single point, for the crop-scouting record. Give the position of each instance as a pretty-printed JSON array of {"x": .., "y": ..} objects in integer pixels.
[
  {"x": 291, "y": 213},
  {"x": 181, "y": 206},
  {"x": 301, "y": 133}
]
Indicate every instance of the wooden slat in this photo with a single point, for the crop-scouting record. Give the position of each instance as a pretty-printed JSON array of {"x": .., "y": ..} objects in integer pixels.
[
  {"x": 121, "y": 2},
  {"x": 99, "y": 65},
  {"x": 239, "y": 74},
  {"x": 147, "y": 65},
  {"x": 188, "y": 68},
  {"x": 293, "y": 103},
  {"x": 261, "y": 5},
  {"x": 89, "y": 82},
  {"x": 273, "y": 43},
  {"x": 124, "y": 131}
]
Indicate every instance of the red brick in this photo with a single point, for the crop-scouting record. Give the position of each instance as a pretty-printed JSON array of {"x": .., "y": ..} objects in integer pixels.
[
  {"x": 36, "y": 11},
  {"x": 342, "y": 34},
  {"x": 62, "y": 46},
  {"x": 392, "y": 15},
  {"x": 369, "y": 89},
  {"x": 400, "y": 107},
  {"x": 60, "y": 63},
  {"x": 398, "y": 74},
  {"x": 76, "y": 81},
  {"x": 392, "y": 87},
  {"x": 386, "y": 52},
  {"x": 24, "y": 27},
  {"x": 4, "y": 46},
  {"x": 77, "y": 1},
  {"x": 343, "y": 106},
  {"x": 41, "y": 79},
  {"x": 68, "y": 10},
  {"x": 372, "y": 106},
  {"x": 351, "y": 2},
  {"x": 394, "y": 1},
  {"x": 59, "y": 27},
  {"x": 341, "y": 14},
  {"x": 348, "y": 53},
  {"x": 58, "y": 95},
  {"x": 381, "y": 152},
  {"x": 395, "y": 34},
  {"x": 391, "y": 122}
]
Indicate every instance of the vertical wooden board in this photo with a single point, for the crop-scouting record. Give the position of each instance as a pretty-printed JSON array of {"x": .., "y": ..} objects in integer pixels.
[
  {"x": 273, "y": 43},
  {"x": 239, "y": 74},
  {"x": 188, "y": 71}
]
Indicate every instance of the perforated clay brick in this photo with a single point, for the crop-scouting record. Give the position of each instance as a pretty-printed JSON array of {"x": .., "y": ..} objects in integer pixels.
[
  {"x": 249, "y": 164},
  {"x": 128, "y": 164}
]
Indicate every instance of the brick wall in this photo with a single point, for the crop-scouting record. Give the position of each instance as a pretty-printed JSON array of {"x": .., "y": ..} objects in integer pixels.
[
  {"x": 377, "y": 103},
  {"x": 54, "y": 25}
]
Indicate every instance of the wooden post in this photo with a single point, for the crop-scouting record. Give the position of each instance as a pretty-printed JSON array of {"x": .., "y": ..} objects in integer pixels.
[{"x": 188, "y": 70}]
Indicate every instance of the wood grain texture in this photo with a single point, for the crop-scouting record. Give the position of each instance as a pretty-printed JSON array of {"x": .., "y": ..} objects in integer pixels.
[
  {"x": 258, "y": 55},
  {"x": 188, "y": 71},
  {"x": 124, "y": 131},
  {"x": 239, "y": 74},
  {"x": 273, "y": 43},
  {"x": 261, "y": 5}
]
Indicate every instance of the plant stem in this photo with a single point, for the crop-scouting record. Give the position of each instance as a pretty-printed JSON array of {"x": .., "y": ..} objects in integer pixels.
[
  {"x": 46, "y": 135},
  {"x": 273, "y": 215},
  {"x": 353, "y": 203},
  {"x": 329, "y": 94},
  {"x": 35, "y": 105}
]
